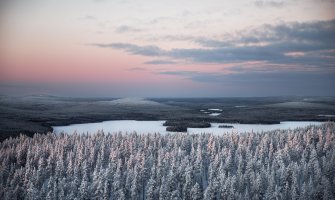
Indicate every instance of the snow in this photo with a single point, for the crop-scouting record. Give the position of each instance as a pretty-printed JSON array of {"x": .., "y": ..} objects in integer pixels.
[
  {"x": 132, "y": 101},
  {"x": 214, "y": 114},
  {"x": 326, "y": 115},
  {"x": 157, "y": 126},
  {"x": 241, "y": 128},
  {"x": 241, "y": 106},
  {"x": 214, "y": 109},
  {"x": 128, "y": 126},
  {"x": 299, "y": 104}
]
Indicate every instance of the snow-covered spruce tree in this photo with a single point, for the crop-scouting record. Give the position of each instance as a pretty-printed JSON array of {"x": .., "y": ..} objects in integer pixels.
[{"x": 282, "y": 164}]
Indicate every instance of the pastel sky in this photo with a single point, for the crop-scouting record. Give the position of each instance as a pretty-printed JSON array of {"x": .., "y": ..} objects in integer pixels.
[{"x": 173, "y": 48}]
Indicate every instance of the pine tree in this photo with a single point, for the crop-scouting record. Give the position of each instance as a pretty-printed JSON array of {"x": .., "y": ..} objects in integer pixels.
[
  {"x": 135, "y": 187},
  {"x": 32, "y": 192},
  {"x": 106, "y": 191},
  {"x": 84, "y": 190},
  {"x": 196, "y": 193},
  {"x": 50, "y": 192},
  {"x": 327, "y": 190},
  {"x": 163, "y": 191},
  {"x": 188, "y": 183},
  {"x": 151, "y": 190},
  {"x": 121, "y": 195},
  {"x": 175, "y": 195},
  {"x": 209, "y": 192},
  {"x": 61, "y": 189}
]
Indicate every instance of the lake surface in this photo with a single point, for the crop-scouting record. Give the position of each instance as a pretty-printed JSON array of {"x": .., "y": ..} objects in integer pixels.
[{"x": 130, "y": 126}]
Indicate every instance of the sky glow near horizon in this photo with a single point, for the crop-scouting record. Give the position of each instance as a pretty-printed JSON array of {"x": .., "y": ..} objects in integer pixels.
[{"x": 177, "y": 48}]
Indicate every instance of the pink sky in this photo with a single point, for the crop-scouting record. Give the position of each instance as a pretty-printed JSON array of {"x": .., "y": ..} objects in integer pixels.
[{"x": 212, "y": 48}]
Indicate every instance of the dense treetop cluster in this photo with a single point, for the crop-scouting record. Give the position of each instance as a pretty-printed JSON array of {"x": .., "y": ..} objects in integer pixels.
[{"x": 282, "y": 164}]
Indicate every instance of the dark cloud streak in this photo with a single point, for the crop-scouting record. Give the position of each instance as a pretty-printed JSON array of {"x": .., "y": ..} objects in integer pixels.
[
  {"x": 136, "y": 69},
  {"x": 127, "y": 29},
  {"x": 160, "y": 62},
  {"x": 149, "y": 50}
]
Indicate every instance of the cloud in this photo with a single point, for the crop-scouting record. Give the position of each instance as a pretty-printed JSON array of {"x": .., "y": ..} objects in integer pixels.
[
  {"x": 149, "y": 50},
  {"x": 137, "y": 69},
  {"x": 309, "y": 44},
  {"x": 304, "y": 34},
  {"x": 160, "y": 62},
  {"x": 88, "y": 18},
  {"x": 269, "y": 3},
  {"x": 194, "y": 75},
  {"x": 260, "y": 82},
  {"x": 126, "y": 29},
  {"x": 179, "y": 73}
]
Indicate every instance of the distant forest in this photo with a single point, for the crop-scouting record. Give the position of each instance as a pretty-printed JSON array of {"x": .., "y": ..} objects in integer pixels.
[{"x": 282, "y": 164}]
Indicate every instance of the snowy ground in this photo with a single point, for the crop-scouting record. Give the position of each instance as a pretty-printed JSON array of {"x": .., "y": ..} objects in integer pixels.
[
  {"x": 215, "y": 109},
  {"x": 212, "y": 111},
  {"x": 299, "y": 104},
  {"x": 214, "y": 114},
  {"x": 240, "y": 106},
  {"x": 157, "y": 126},
  {"x": 326, "y": 115}
]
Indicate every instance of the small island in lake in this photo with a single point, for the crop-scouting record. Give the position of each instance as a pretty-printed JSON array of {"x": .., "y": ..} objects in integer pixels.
[{"x": 226, "y": 126}]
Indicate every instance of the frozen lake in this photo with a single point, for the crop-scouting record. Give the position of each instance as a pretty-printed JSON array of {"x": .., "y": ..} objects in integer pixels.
[{"x": 157, "y": 127}]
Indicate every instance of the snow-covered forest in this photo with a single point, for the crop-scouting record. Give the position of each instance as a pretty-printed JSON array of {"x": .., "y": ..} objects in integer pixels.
[{"x": 291, "y": 164}]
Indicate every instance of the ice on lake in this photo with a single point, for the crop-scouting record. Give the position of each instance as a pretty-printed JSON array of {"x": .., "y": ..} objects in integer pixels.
[{"x": 131, "y": 126}]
